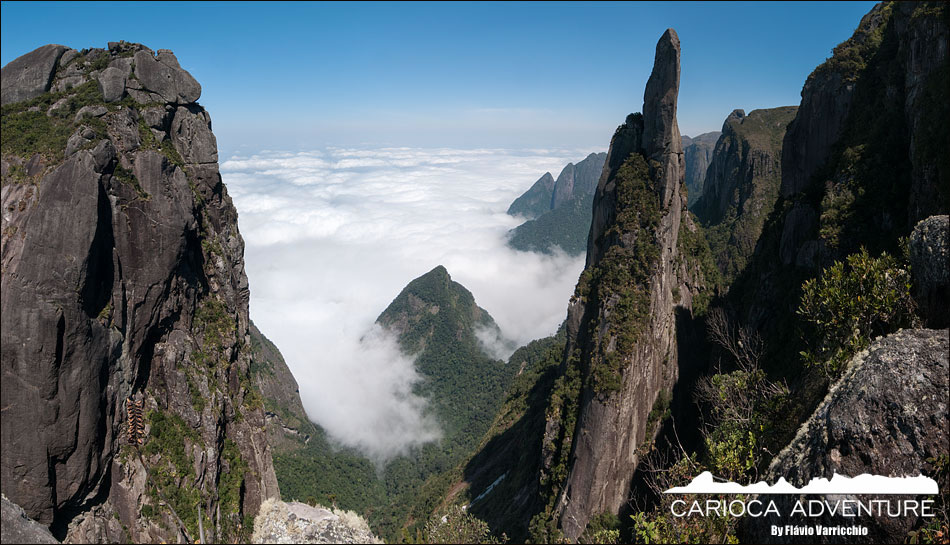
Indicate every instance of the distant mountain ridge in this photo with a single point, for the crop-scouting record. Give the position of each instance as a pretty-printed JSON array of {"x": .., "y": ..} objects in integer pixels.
[{"x": 558, "y": 211}]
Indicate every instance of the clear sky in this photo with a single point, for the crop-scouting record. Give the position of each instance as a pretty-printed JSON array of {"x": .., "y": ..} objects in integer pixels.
[{"x": 304, "y": 75}]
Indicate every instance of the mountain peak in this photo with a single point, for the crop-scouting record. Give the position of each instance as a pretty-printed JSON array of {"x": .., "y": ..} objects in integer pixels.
[{"x": 659, "y": 98}]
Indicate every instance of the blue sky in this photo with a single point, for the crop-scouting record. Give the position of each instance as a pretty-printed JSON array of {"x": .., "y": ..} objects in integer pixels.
[{"x": 555, "y": 75}]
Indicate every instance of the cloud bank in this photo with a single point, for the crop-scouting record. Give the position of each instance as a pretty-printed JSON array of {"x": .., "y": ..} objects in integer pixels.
[{"x": 332, "y": 236}]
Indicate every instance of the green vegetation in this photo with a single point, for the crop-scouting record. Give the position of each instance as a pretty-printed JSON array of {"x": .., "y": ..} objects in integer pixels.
[
  {"x": 658, "y": 525},
  {"x": 128, "y": 177},
  {"x": 27, "y": 132},
  {"x": 851, "y": 57},
  {"x": 436, "y": 319},
  {"x": 172, "y": 471},
  {"x": 230, "y": 481},
  {"x": 694, "y": 249},
  {"x": 732, "y": 233},
  {"x": 566, "y": 227},
  {"x": 936, "y": 529},
  {"x": 166, "y": 147},
  {"x": 852, "y": 302},
  {"x": 100, "y": 62},
  {"x": 458, "y": 526},
  {"x": 602, "y": 528},
  {"x": 215, "y": 326},
  {"x": 623, "y": 271}
]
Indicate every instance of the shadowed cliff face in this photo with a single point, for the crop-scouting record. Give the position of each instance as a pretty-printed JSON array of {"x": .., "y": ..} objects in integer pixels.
[
  {"x": 864, "y": 158},
  {"x": 123, "y": 277},
  {"x": 621, "y": 351},
  {"x": 742, "y": 184},
  {"x": 697, "y": 153}
]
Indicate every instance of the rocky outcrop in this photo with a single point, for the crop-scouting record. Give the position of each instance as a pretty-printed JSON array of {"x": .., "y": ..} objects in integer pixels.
[
  {"x": 697, "y": 153},
  {"x": 123, "y": 292},
  {"x": 621, "y": 322},
  {"x": 16, "y": 527},
  {"x": 930, "y": 265},
  {"x": 578, "y": 180},
  {"x": 31, "y": 75},
  {"x": 296, "y": 522},
  {"x": 886, "y": 416},
  {"x": 742, "y": 183}
]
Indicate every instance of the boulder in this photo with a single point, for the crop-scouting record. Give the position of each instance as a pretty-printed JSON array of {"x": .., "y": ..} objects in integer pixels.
[
  {"x": 112, "y": 84},
  {"x": 886, "y": 416},
  {"x": 192, "y": 136},
  {"x": 92, "y": 111},
  {"x": 30, "y": 75},
  {"x": 165, "y": 77}
]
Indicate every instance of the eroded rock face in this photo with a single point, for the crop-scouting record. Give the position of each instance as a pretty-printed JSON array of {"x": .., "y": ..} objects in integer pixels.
[
  {"x": 611, "y": 421},
  {"x": 123, "y": 278},
  {"x": 886, "y": 416},
  {"x": 826, "y": 100},
  {"x": 163, "y": 75}
]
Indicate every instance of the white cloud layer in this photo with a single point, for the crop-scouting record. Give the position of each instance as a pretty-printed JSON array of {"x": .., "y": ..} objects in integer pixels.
[{"x": 333, "y": 236}]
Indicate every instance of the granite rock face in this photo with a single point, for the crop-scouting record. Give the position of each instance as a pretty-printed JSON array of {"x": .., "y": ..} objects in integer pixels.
[
  {"x": 885, "y": 416},
  {"x": 742, "y": 183},
  {"x": 163, "y": 75},
  {"x": 16, "y": 527},
  {"x": 601, "y": 451},
  {"x": 861, "y": 163},
  {"x": 288, "y": 426},
  {"x": 930, "y": 264},
  {"x": 826, "y": 100},
  {"x": 31, "y": 75},
  {"x": 536, "y": 200},
  {"x": 697, "y": 153},
  {"x": 123, "y": 285}
]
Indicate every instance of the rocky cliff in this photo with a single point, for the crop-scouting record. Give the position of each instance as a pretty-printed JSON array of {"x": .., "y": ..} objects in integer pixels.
[
  {"x": 697, "y": 153},
  {"x": 621, "y": 355},
  {"x": 125, "y": 335},
  {"x": 287, "y": 421},
  {"x": 741, "y": 184},
  {"x": 862, "y": 160}
]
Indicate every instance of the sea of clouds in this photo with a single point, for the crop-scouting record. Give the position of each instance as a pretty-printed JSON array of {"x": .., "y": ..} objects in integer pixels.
[{"x": 332, "y": 236}]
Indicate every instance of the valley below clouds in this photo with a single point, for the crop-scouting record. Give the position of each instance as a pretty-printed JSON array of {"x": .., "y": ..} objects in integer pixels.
[{"x": 332, "y": 236}]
